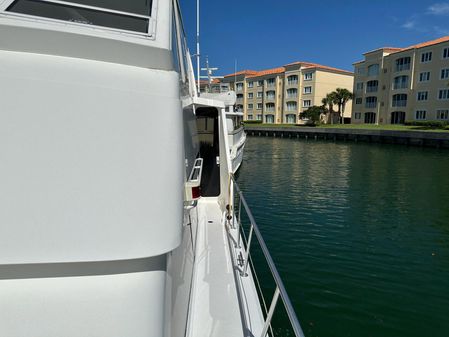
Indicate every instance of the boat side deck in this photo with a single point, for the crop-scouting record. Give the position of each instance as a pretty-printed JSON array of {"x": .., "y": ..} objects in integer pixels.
[{"x": 216, "y": 306}]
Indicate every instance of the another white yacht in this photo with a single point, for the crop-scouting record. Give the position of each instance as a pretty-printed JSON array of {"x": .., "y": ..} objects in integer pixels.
[{"x": 119, "y": 214}]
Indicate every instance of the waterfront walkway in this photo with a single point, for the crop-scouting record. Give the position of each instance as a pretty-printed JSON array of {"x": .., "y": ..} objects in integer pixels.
[{"x": 412, "y": 138}]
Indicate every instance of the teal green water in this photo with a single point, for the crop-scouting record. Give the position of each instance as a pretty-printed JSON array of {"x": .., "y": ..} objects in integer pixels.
[{"x": 359, "y": 232}]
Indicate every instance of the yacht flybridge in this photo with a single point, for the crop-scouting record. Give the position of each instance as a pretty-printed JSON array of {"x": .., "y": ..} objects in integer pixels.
[{"x": 119, "y": 213}]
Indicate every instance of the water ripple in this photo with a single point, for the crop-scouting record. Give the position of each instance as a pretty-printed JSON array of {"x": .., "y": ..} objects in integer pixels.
[{"x": 360, "y": 233}]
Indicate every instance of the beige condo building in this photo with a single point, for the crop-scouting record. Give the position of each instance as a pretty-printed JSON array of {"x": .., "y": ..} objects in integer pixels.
[
  {"x": 281, "y": 94},
  {"x": 395, "y": 85}
]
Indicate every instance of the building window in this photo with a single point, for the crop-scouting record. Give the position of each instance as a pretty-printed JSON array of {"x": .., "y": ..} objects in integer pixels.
[
  {"x": 269, "y": 119},
  {"x": 399, "y": 100},
  {"x": 403, "y": 64},
  {"x": 370, "y": 102},
  {"x": 239, "y": 108},
  {"x": 271, "y": 82},
  {"x": 423, "y": 95},
  {"x": 290, "y": 119},
  {"x": 372, "y": 86},
  {"x": 239, "y": 97},
  {"x": 307, "y": 103},
  {"x": 426, "y": 57},
  {"x": 260, "y": 94},
  {"x": 444, "y": 73},
  {"x": 359, "y": 86},
  {"x": 358, "y": 100},
  {"x": 259, "y": 106},
  {"x": 358, "y": 115},
  {"x": 239, "y": 86},
  {"x": 373, "y": 70},
  {"x": 424, "y": 77},
  {"x": 250, "y": 117},
  {"x": 446, "y": 53},
  {"x": 292, "y": 106},
  {"x": 307, "y": 90},
  {"x": 398, "y": 117},
  {"x": 259, "y": 83},
  {"x": 360, "y": 70},
  {"x": 250, "y": 106},
  {"x": 292, "y": 80},
  {"x": 259, "y": 117},
  {"x": 250, "y": 95},
  {"x": 292, "y": 93},
  {"x": 443, "y": 94},
  {"x": 420, "y": 114},
  {"x": 269, "y": 107},
  {"x": 251, "y": 84},
  {"x": 400, "y": 82},
  {"x": 370, "y": 117},
  {"x": 308, "y": 76},
  {"x": 271, "y": 94},
  {"x": 443, "y": 114}
]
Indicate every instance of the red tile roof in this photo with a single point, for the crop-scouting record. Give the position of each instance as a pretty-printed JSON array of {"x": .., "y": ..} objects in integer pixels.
[
  {"x": 310, "y": 65},
  {"x": 428, "y": 43},
  {"x": 273, "y": 71},
  {"x": 243, "y": 72},
  {"x": 321, "y": 67},
  {"x": 280, "y": 70},
  {"x": 384, "y": 49},
  {"x": 416, "y": 46}
]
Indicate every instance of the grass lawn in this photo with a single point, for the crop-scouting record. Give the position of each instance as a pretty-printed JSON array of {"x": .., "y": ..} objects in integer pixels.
[{"x": 355, "y": 127}]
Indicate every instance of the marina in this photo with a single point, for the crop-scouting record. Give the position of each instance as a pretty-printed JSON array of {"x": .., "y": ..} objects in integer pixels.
[{"x": 359, "y": 233}]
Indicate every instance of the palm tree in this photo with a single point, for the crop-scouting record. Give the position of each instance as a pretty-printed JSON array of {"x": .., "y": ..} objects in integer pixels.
[
  {"x": 329, "y": 102},
  {"x": 342, "y": 96}
]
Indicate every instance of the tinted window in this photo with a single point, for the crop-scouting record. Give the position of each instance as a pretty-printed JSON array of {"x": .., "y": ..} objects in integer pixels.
[{"x": 79, "y": 15}]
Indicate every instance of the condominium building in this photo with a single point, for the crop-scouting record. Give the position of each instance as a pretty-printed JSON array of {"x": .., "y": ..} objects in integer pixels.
[
  {"x": 395, "y": 85},
  {"x": 281, "y": 94}
]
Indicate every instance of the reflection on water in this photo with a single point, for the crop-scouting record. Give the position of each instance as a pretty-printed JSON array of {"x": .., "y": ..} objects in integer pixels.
[{"x": 360, "y": 233}]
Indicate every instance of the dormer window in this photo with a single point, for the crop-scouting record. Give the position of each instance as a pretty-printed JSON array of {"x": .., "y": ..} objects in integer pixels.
[{"x": 130, "y": 15}]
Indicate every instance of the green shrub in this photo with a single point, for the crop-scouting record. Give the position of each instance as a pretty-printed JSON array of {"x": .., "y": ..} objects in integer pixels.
[
  {"x": 428, "y": 124},
  {"x": 253, "y": 122}
]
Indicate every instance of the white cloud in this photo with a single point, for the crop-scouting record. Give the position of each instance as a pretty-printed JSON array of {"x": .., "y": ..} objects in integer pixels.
[
  {"x": 441, "y": 8},
  {"x": 409, "y": 24}
]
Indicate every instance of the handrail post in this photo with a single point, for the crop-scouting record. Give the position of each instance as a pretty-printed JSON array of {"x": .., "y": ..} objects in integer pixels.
[
  {"x": 248, "y": 247},
  {"x": 233, "y": 204},
  {"x": 273, "y": 304},
  {"x": 239, "y": 220}
]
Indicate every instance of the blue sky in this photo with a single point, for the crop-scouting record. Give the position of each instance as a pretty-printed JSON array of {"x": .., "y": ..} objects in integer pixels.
[{"x": 264, "y": 34}]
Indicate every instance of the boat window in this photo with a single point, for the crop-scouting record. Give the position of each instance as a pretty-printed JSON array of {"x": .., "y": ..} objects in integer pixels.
[{"x": 131, "y": 15}]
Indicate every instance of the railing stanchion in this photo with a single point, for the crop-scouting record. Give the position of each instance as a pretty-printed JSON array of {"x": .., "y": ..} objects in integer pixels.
[
  {"x": 274, "y": 302},
  {"x": 233, "y": 205},
  {"x": 248, "y": 247},
  {"x": 239, "y": 220}
]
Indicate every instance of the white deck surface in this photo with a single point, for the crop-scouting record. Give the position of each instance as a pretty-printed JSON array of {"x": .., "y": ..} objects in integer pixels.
[{"x": 215, "y": 308}]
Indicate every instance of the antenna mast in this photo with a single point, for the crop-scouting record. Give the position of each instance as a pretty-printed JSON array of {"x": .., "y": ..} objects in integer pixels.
[{"x": 198, "y": 43}]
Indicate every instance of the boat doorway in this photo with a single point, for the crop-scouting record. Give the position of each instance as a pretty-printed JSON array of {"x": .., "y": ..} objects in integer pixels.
[{"x": 208, "y": 136}]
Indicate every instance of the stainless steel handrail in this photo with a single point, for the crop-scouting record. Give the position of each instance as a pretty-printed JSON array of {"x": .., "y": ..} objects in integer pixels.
[{"x": 280, "y": 288}]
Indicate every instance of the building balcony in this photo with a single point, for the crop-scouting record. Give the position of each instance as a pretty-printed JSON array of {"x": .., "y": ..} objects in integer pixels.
[
  {"x": 372, "y": 89},
  {"x": 371, "y": 105},
  {"x": 399, "y": 104},
  {"x": 402, "y": 67}
]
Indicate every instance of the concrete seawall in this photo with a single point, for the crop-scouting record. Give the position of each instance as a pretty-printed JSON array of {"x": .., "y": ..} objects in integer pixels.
[{"x": 411, "y": 138}]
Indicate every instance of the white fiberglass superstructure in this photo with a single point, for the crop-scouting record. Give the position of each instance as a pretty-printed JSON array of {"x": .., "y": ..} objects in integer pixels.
[{"x": 119, "y": 214}]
